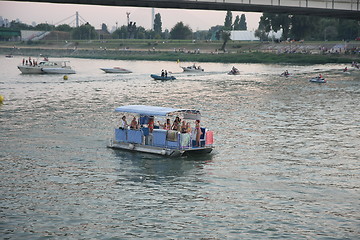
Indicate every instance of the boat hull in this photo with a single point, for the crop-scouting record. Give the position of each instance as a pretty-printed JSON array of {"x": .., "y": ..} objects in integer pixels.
[
  {"x": 157, "y": 77},
  {"x": 191, "y": 69},
  {"x": 233, "y": 73},
  {"x": 58, "y": 70},
  {"x": 115, "y": 70},
  {"x": 30, "y": 70},
  {"x": 317, "y": 80},
  {"x": 158, "y": 150}
]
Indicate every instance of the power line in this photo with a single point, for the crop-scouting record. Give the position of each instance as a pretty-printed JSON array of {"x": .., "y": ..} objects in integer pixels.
[{"x": 74, "y": 16}]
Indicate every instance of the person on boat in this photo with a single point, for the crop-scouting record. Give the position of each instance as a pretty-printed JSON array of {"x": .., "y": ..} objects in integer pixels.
[
  {"x": 162, "y": 73},
  {"x": 320, "y": 76},
  {"x": 166, "y": 125},
  {"x": 198, "y": 132},
  {"x": 345, "y": 69},
  {"x": 286, "y": 73},
  {"x": 183, "y": 127},
  {"x": 124, "y": 124},
  {"x": 165, "y": 73},
  {"x": 151, "y": 124},
  {"x": 134, "y": 124},
  {"x": 234, "y": 70},
  {"x": 176, "y": 124},
  {"x": 188, "y": 128}
]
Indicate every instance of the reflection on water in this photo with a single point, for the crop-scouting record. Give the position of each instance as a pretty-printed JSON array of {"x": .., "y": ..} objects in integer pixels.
[{"x": 285, "y": 163}]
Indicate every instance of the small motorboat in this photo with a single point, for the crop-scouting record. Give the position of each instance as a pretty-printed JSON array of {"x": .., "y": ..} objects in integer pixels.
[
  {"x": 318, "y": 80},
  {"x": 151, "y": 138},
  {"x": 234, "y": 71},
  {"x": 192, "y": 68},
  {"x": 158, "y": 77},
  {"x": 116, "y": 70}
]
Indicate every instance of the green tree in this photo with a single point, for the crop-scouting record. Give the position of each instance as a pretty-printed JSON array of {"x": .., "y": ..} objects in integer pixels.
[
  {"x": 348, "y": 29},
  {"x": 302, "y": 26},
  {"x": 242, "y": 23},
  {"x": 213, "y": 32},
  {"x": 104, "y": 28},
  {"x": 44, "y": 27},
  {"x": 237, "y": 23},
  {"x": 276, "y": 22},
  {"x": 261, "y": 32},
  {"x": 131, "y": 28},
  {"x": 158, "y": 24},
  {"x": 325, "y": 29},
  {"x": 16, "y": 25},
  {"x": 84, "y": 32},
  {"x": 180, "y": 31},
  {"x": 64, "y": 28},
  {"x": 228, "y": 21},
  {"x": 225, "y": 36},
  {"x": 120, "y": 33}
]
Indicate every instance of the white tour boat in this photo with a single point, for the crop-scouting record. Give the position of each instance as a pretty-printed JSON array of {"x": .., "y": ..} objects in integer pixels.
[
  {"x": 46, "y": 66},
  {"x": 193, "y": 68},
  {"x": 116, "y": 70},
  {"x": 150, "y": 138}
]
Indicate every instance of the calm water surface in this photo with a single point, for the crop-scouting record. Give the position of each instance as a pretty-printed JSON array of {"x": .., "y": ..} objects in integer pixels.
[{"x": 286, "y": 163}]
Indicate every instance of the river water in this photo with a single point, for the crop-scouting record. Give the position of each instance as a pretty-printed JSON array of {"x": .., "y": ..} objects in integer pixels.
[{"x": 285, "y": 166}]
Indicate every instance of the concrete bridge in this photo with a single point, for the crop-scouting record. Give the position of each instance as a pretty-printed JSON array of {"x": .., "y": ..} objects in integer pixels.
[{"x": 324, "y": 8}]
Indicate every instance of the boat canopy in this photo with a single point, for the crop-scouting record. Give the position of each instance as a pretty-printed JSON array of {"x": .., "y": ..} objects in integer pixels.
[{"x": 145, "y": 110}]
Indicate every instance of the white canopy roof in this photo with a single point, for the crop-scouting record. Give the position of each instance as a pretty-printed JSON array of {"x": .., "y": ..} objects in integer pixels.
[{"x": 145, "y": 110}]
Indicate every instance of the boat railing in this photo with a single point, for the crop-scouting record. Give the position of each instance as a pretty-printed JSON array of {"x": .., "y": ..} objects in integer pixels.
[{"x": 164, "y": 138}]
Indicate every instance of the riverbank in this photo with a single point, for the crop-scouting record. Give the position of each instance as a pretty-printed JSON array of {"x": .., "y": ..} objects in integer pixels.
[{"x": 190, "y": 51}]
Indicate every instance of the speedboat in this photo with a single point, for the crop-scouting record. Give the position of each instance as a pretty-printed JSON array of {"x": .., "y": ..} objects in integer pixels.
[
  {"x": 318, "y": 80},
  {"x": 193, "y": 68},
  {"x": 158, "y": 77},
  {"x": 148, "y": 138},
  {"x": 42, "y": 66},
  {"x": 116, "y": 70}
]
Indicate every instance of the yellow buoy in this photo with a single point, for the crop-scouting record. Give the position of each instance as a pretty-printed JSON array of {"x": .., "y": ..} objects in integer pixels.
[
  {"x": 65, "y": 77},
  {"x": 1, "y": 99}
]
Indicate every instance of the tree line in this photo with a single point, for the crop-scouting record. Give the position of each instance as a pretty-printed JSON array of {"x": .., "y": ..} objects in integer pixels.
[
  {"x": 132, "y": 31},
  {"x": 294, "y": 27},
  {"x": 299, "y": 27}
]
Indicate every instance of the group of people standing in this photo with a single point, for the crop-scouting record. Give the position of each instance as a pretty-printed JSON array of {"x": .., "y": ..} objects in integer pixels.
[
  {"x": 164, "y": 73},
  {"x": 29, "y": 62},
  {"x": 178, "y": 125}
]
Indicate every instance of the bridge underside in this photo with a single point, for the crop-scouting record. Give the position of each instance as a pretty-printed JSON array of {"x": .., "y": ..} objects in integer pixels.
[{"x": 224, "y": 6}]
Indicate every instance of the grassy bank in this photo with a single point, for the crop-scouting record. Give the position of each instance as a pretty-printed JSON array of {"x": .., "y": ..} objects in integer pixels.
[{"x": 238, "y": 52}]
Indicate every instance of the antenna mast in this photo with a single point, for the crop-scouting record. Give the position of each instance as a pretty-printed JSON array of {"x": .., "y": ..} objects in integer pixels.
[{"x": 128, "y": 17}]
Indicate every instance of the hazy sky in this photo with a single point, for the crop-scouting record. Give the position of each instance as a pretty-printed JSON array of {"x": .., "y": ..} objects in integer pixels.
[{"x": 96, "y": 15}]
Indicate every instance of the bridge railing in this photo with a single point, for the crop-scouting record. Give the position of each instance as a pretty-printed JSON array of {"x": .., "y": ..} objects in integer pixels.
[{"x": 352, "y": 5}]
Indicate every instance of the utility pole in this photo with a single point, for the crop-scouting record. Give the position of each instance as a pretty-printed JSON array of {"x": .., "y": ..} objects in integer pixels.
[
  {"x": 77, "y": 19},
  {"x": 152, "y": 18},
  {"x": 128, "y": 17}
]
